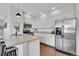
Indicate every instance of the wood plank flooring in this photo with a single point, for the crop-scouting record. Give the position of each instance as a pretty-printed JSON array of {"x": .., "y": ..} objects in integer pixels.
[{"x": 49, "y": 51}]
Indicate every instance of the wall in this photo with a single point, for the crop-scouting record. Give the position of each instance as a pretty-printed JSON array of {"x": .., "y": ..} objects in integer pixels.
[
  {"x": 77, "y": 33},
  {"x": 4, "y": 10},
  {"x": 5, "y": 15}
]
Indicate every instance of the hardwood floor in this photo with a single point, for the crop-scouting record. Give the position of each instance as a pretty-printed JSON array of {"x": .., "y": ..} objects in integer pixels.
[{"x": 50, "y": 51}]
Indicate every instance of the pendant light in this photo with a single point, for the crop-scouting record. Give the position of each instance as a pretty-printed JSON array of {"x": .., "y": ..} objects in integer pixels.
[{"x": 18, "y": 15}]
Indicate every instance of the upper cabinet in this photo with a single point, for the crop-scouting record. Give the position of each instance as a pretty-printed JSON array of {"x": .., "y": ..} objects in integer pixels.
[{"x": 43, "y": 23}]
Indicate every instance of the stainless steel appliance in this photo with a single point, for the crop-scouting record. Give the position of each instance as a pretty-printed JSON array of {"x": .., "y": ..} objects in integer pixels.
[{"x": 66, "y": 35}]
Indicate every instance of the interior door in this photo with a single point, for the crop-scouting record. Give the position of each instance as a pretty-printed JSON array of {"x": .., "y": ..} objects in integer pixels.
[
  {"x": 69, "y": 40},
  {"x": 58, "y": 40}
]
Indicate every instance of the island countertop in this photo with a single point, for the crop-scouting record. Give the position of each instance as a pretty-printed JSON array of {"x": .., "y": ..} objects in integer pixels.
[{"x": 20, "y": 39}]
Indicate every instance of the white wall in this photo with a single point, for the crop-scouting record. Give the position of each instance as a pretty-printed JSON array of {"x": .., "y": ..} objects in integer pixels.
[
  {"x": 4, "y": 10},
  {"x": 77, "y": 33},
  {"x": 5, "y": 15}
]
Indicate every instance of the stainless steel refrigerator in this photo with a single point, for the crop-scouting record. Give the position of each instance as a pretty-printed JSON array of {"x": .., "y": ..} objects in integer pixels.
[{"x": 66, "y": 35}]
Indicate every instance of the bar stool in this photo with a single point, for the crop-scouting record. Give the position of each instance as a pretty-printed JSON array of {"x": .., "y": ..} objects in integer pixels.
[{"x": 8, "y": 51}]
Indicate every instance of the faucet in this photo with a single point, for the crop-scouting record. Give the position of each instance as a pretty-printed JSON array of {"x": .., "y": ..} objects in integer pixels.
[
  {"x": 17, "y": 29},
  {"x": 36, "y": 30}
]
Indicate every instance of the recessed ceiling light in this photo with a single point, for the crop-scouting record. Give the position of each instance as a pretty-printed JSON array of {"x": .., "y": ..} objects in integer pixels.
[
  {"x": 29, "y": 12},
  {"x": 53, "y": 8},
  {"x": 43, "y": 16},
  {"x": 56, "y": 12},
  {"x": 28, "y": 16},
  {"x": 41, "y": 13}
]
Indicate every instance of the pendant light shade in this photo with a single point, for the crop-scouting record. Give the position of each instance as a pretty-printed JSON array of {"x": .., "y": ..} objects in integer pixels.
[{"x": 18, "y": 15}]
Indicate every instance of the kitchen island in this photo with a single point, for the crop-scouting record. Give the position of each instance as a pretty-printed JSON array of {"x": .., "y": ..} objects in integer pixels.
[{"x": 28, "y": 45}]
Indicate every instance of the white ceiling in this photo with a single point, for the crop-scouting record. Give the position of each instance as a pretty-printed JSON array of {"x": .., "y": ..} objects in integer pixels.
[{"x": 36, "y": 8}]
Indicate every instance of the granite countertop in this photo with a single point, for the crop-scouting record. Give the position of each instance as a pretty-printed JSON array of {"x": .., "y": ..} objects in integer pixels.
[{"x": 20, "y": 39}]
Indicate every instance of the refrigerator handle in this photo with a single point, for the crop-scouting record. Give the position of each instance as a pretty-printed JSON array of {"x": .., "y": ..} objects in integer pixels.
[{"x": 62, "y": 31}]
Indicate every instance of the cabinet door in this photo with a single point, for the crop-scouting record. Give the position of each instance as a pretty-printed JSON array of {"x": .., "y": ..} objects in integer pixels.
[
  {"x": 34, "y": 48},
  {"x": 22, "y": 49},
  {"x": 48, "y": 39},
  {"x": 25, "y": 49}
]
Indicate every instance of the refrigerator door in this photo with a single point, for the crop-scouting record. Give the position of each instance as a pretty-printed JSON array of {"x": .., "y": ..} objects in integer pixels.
[
  {"x": 58, "y": 40},
  {"x": 69, "y": 40}
]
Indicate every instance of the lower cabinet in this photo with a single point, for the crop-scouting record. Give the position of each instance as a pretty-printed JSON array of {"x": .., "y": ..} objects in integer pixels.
[
  {"x": 20, "y": 49},
  {"x": 48, "y": 39},
  {"x": 31, "y": 48},
  {"x": 34, "y": 48},
  {"x": 25, "y": 49}
]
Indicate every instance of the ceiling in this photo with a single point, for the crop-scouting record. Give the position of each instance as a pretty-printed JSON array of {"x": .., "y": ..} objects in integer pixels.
[
  {"x": 43, "y": 10},
  {"x": 35, "y": 8}
]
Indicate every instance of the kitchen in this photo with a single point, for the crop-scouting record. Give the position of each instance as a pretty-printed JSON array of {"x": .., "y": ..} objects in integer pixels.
[{"x": 31, "y": 29}]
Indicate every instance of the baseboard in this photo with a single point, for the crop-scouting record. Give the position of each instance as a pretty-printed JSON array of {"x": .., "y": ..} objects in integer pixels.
[{"x": 65, "y": 52}]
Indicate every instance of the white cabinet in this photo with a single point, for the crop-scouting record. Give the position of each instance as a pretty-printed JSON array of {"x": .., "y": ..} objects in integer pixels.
[
  {"x": 25, "y": 49},
  {"x": 48, "y": 39},
  {"x": 34, "y": 48},
  {"x": 43, "y": 23},
  {"x": 22, "y": 49},
  {"x": 31, "y": 48}
]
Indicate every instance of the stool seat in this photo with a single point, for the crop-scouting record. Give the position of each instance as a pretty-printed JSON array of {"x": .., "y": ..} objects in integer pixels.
[
  {"x": 8, "y": 49},
  {"x": 11, "y": 51}
]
